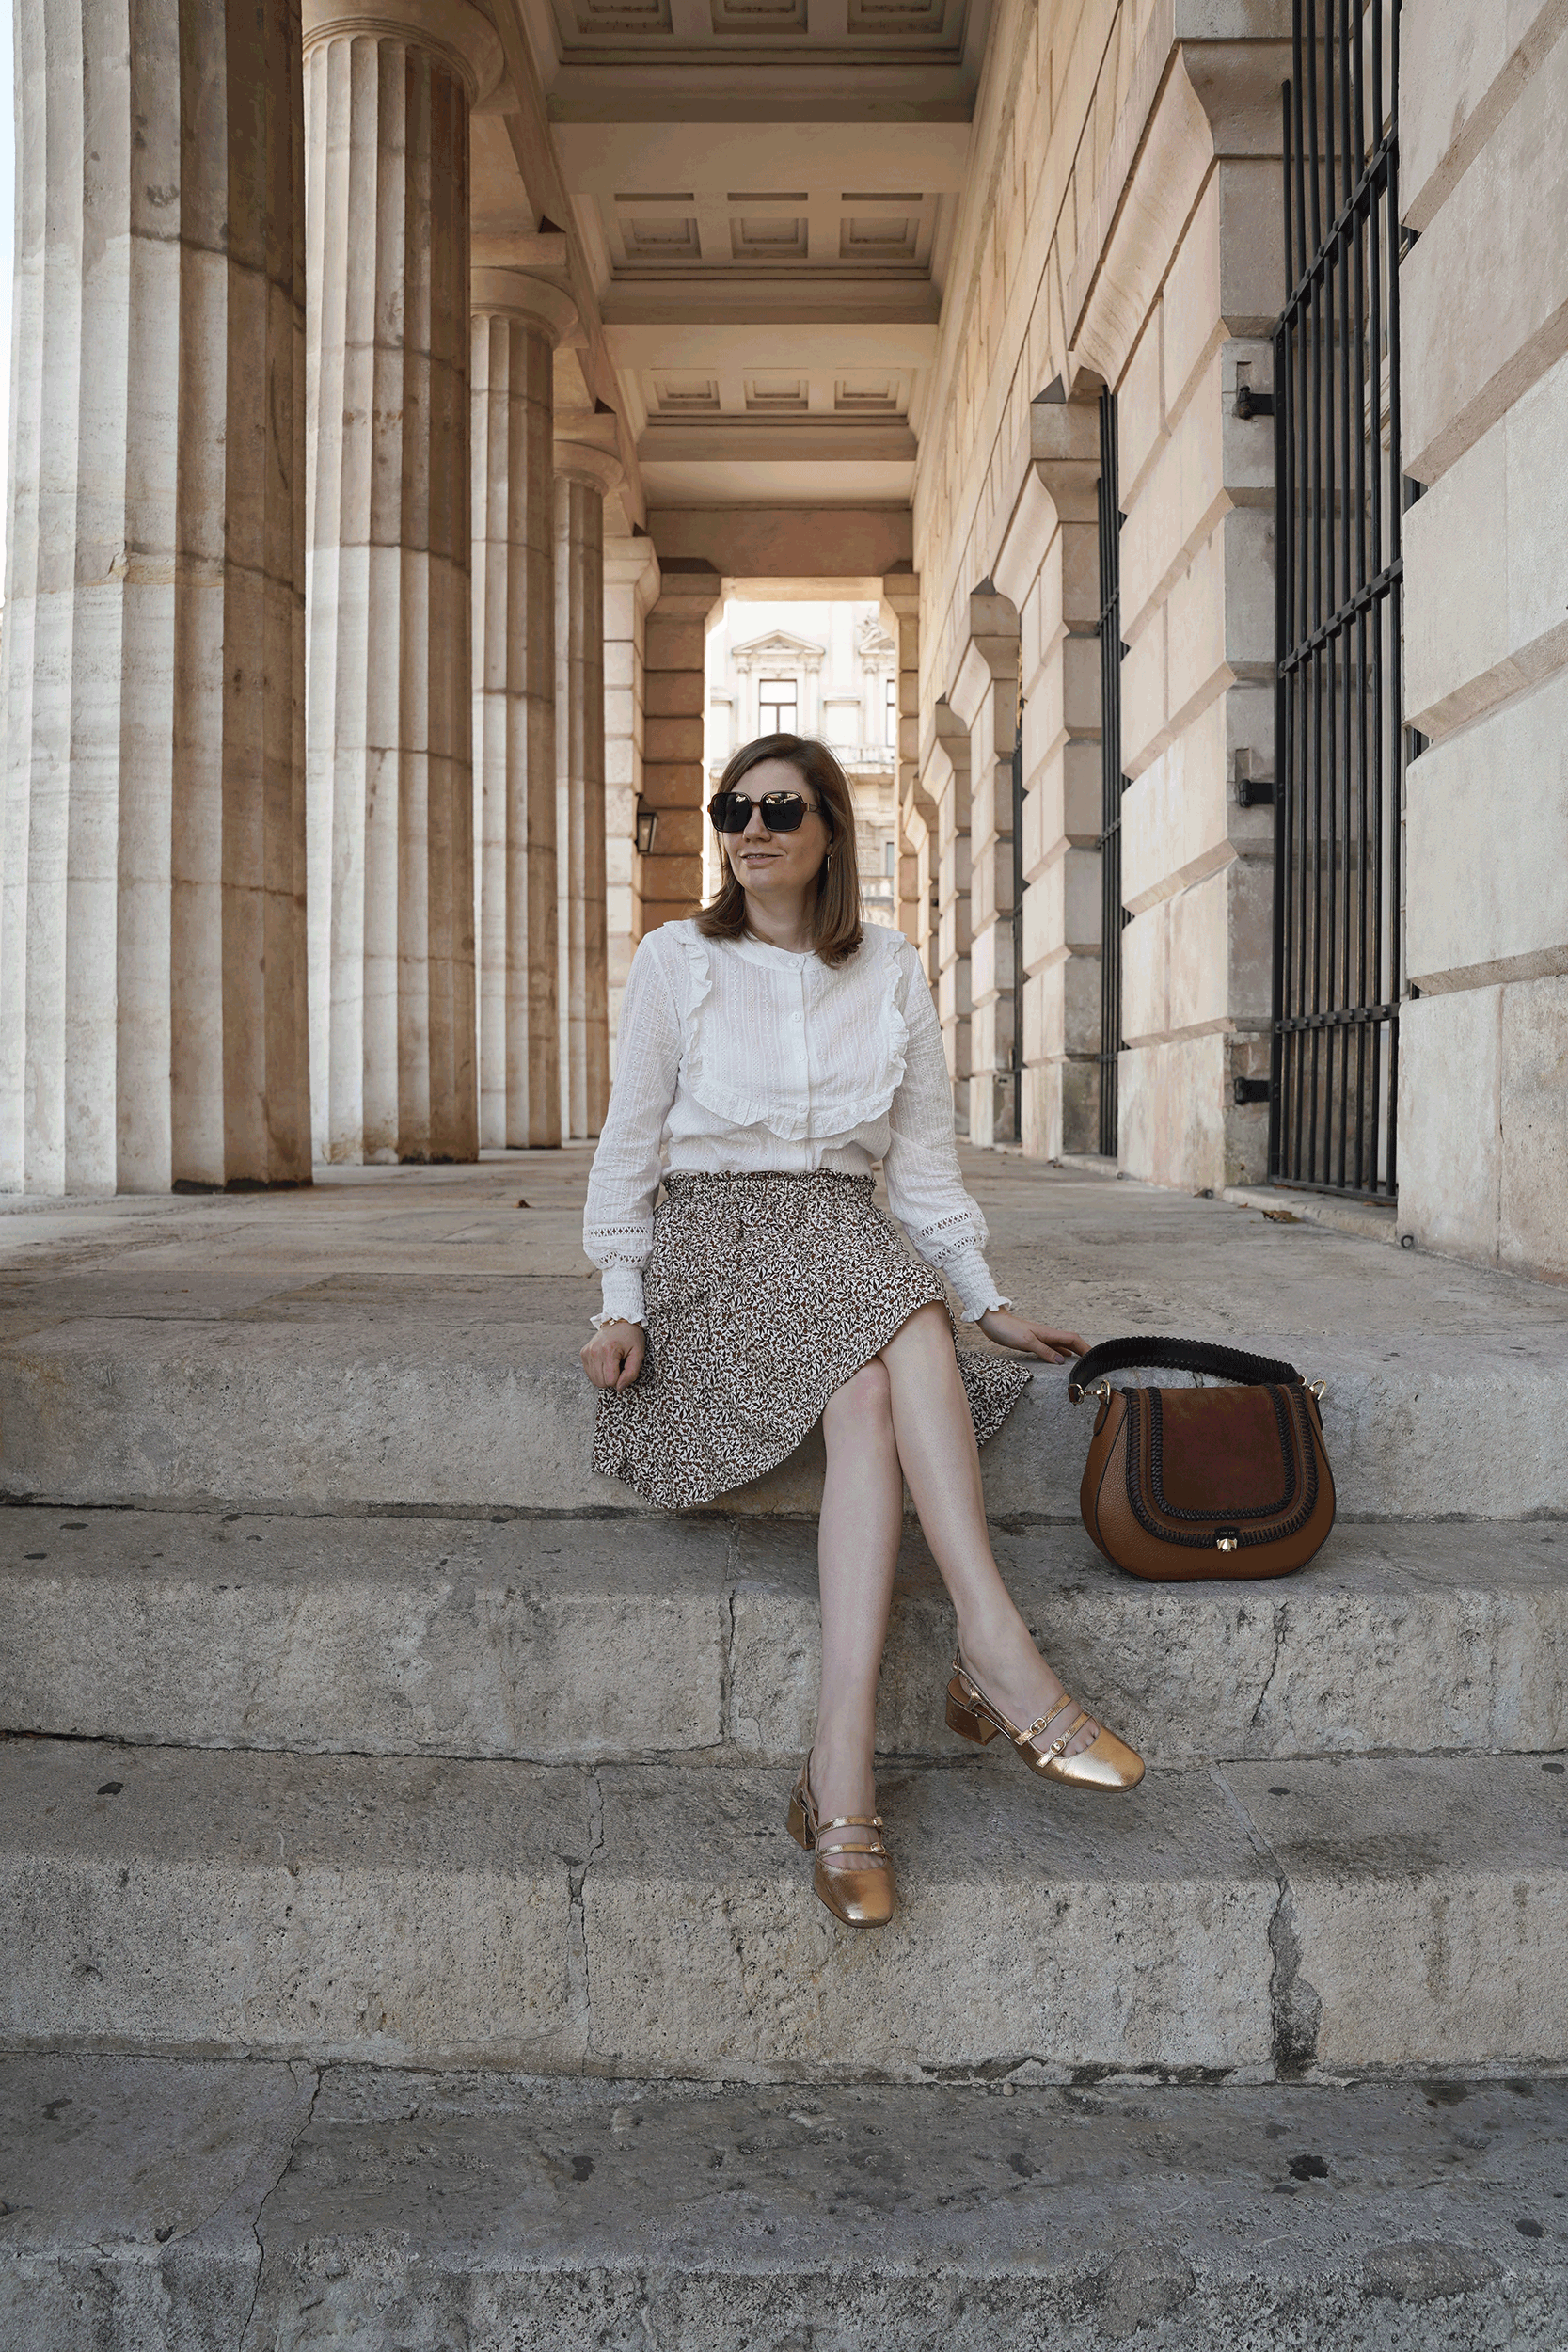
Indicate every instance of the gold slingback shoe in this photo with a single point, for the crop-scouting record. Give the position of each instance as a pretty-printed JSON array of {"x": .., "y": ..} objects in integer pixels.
[
  {"x": 862, "y": 1897},
  {"x": 1107, "y": 1762}
]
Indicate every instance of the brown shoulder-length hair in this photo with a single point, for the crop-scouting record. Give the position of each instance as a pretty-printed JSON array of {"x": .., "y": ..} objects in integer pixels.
[{"x": 835, "y": 915}]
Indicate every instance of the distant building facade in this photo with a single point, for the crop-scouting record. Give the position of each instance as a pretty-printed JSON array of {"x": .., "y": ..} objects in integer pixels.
[{"x": 830, "y": 671}]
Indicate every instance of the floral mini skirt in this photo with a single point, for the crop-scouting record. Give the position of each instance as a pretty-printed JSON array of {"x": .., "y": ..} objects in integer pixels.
[{"x": 763, "y": 1294}]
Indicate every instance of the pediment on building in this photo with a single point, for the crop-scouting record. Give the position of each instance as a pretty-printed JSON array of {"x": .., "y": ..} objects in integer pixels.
[{"x": 777, "y": 646}]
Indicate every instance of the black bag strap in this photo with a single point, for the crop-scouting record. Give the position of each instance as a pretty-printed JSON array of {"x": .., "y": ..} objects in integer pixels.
[{"x": 1226, "y": 1363}]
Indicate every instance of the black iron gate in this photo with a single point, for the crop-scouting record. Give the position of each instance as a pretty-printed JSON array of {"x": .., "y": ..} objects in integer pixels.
[
  {"x": 1340, "y": 746},
  {"x": 1113, "y": 784},
  {"x": 1019, "y": 886}
]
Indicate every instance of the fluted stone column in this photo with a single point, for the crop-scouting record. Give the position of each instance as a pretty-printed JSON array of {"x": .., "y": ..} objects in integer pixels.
[
  {"x": 518, "y": 322},
  {"x": 582, "y": 476},
  {"x": 152, "y": 1023},
  {"x": 391, "y": 686},
  {"x": 631, "y": 585}
]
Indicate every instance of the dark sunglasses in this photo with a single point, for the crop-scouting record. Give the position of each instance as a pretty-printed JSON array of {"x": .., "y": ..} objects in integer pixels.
[{"x": 782, "y": 812}]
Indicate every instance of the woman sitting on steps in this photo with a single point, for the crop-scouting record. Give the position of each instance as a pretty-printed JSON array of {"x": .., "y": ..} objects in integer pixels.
[{"x": 779, "y": 1052}]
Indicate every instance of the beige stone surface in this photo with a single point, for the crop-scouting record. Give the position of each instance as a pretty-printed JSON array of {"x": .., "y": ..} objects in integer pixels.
[
  {"x": 573, "y": 2210},
  {"x": 583, "y": 475},
  {"x": 672, "y": 779},
  {"x": 518, "y": 322},
  {"x": 1178, "y": 1123},
  {"x": 1450, "y": 1170},
  {"x": 1532, "y": 1204},
  {"x": 1485, "y": 617},
  {"x": 388, "y": 723},
  {"x": 1462, "y": 67},
  {"x": 641, "y": 1920},
  {"x": 281, "y": 1906},
  {"x": 393, "y": 1338},
  {"x": 733, "y": 1969},
  {"x": 1484, "y": 297},
  {"x": 631, "y": 585},
  {"x": 558, "y": 1640},
  {"x": 1419, "y": 1638},
  {"x": 153, "y": 1012},
  {"x": 1488, "y": 901},
  {"x": 1454, "y": 1881}
]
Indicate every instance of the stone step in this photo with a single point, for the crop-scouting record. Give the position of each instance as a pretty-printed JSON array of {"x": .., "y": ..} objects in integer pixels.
[
  {"x": 159, "y": 2204},
  {"x": 581, "y": 1641},
  {"x": 348, "y": 1404},
  {"x": 641, "y": 1920}
]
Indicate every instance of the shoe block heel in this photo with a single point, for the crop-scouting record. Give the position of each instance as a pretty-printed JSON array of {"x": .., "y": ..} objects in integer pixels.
[
  {"x": 798, "y": 1825},
  {"x": 967, "y": 1724}
]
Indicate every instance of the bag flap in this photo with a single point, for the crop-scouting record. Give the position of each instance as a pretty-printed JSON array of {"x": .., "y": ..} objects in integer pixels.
[{"x": 1221, "y": 1453}]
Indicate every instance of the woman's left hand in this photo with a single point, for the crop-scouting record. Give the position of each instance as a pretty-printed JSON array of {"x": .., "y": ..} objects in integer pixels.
[{"x": 1030, "y": 1338}]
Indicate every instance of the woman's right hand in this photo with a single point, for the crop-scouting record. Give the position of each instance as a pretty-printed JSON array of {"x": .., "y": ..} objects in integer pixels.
[{"x": 613, "y": 1357}]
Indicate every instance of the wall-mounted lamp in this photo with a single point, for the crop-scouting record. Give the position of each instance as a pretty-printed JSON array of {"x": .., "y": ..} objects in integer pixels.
[{"x": 647, "y": 829}]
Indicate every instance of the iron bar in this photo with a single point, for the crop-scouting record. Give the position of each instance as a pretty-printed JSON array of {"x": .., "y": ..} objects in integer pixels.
[
  {"x": 1340, "y": 749},
  {"x": 1112, "y": 781},
  {"x": 1019, "y": 885}
]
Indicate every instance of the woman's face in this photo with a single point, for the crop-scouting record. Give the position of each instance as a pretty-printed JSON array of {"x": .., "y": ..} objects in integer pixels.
[{"x": 777, "y": 864}]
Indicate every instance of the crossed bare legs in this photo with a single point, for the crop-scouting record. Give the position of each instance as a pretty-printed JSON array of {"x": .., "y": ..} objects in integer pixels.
[{"x": 905, "y": 1415}]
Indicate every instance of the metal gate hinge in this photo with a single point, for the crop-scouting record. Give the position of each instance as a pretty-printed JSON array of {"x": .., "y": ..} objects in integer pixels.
[
  {"x": 1255, "y": 792},
  {"x": 1251, "y": 1090},
  {"x": 1250, "y": 403}
]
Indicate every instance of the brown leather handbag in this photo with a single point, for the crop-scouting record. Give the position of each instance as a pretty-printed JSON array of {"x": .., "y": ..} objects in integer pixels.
[{"x": 1201, "y": 1483}]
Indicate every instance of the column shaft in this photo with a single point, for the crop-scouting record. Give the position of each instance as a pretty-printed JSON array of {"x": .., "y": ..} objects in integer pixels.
[
  {"x": 631, "y": 585},
  {"x": 517, "y": 322},
  {"x": 388, "y": 729},
  {"x": 151, "y": 923},
  {"x": 580, "y": 804},
  {"x": 583, "y": 474}
]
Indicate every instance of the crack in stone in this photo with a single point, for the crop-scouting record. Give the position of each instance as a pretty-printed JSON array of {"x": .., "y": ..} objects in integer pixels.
[
  {"x": 577, "y": 1913},
  {"x": 282, "y": 2174},
  {"x": 726, "y": 1667},
  {"x": 1274, "y": 1663},
  {"x": 1295, "y": 2005}
]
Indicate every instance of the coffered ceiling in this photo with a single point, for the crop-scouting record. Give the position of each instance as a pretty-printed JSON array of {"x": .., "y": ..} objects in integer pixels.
[{"x": 763, "y": 192}]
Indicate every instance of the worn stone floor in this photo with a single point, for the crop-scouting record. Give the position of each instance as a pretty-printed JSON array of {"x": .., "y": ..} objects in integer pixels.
[
  {"x": 499, "y": 1243},
  {"x": 270, "y": 2208}
]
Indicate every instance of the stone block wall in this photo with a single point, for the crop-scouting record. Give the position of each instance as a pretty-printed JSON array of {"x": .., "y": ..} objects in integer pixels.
[
  {"x": 1484, "y": 1066},
  {"x": 1049, "y": 566},
  {"x": 674, "y": 640},
  {"x": 985, "y": 699},
  {"x": 946, "y": 774},
  {"x": 1132, "y": 239}
]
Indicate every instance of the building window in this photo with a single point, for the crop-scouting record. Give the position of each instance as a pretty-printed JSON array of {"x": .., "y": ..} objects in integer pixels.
[
  {"x": 778, "y": 705},
  {"x": 891, "y": 704}
]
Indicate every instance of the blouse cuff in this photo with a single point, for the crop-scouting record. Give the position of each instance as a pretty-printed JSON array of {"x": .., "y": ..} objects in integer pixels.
[
  {"x": 971, "y": 1277},
  {"x": 623, "y": 1296}
]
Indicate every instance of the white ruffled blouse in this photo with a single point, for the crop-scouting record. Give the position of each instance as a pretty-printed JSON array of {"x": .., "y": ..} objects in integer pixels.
[{"x": 736, "y": 1058}]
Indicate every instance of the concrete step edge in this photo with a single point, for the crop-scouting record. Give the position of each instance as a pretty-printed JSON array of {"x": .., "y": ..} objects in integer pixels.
[
  {"x": 191, "y": 2194},
  {"x": 648, "y": 1921},
  {"x": 267, "y": 1413},
  {"x": 585, "y": 1641}
]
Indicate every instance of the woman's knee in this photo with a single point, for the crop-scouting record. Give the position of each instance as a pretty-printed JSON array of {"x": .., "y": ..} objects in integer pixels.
[
  {"x": 928, "y": 1326},
  {"x": 863, "y": 1405}
]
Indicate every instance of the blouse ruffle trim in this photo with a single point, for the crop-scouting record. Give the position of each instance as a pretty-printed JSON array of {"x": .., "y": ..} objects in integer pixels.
[
  {"x": 828, "y": 1115},
  {"x": 620, "y": 1292}
]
